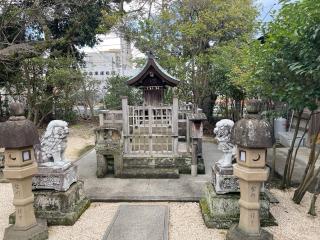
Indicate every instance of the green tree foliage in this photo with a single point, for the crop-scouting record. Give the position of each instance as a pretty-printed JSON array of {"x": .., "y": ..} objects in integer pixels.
[
  {"x": 39, "y": 42},
  {"x": 116, "y": 88},
  {"x": 185, "y": 36},
  {"x": 43, "y": 84},
  {"x": 286, "y": 67}
]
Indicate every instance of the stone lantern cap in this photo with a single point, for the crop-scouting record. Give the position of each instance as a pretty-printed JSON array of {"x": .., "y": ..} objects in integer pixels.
[
  {"x": 252, "y": 133},
  {"x": 18, "y": 132}
]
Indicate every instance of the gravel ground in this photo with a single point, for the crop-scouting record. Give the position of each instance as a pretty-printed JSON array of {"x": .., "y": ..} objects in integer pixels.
[{"x": 185, "y": 220}]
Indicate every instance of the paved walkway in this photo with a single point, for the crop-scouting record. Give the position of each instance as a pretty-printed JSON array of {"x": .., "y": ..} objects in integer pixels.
[
  {"x": 110, "y": 189},
  {"x": 139, "y": 222},
  {"x": 300, "y": 165}
]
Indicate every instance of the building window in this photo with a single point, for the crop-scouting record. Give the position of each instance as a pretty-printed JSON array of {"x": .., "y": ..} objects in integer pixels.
[
  {"x": 96, "y": 73},
  {"x": 90, "y": 73},
  {"x": 107, "y": 72},
  {"x": 102, "y": 73},
  {"x": 113, "y": 72}
]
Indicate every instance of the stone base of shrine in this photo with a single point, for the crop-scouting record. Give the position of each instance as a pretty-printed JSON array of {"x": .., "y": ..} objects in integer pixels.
[
  {"x": 157, "y": 167},
  {"x": 235, "y": 233},
  {"x": 60, "y": 208},
  {"x": 36, "y": 232},
  {"x": 222, "y": 210}
]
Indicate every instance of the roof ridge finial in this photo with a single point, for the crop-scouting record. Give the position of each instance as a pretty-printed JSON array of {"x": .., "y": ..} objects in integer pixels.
[{"x": 150, "y": 54}]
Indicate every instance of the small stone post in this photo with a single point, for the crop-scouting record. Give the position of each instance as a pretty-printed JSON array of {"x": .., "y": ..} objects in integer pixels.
[
  {"x": 196, "y": 120},
  {"x": 125, "y": 126},
  {"x": 175, "y": 109},
  {"x": 18, "y": 136},
  {"x": 253, "y": 137}
]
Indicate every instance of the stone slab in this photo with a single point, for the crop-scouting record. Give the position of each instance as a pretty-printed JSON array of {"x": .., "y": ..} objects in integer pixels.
[
  {"x": 54, "y": 177},
  {"x": 139, "y": 222}
]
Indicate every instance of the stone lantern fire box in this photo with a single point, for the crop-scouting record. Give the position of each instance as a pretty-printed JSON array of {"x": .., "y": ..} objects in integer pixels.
[{"x": 18, "y": 136}]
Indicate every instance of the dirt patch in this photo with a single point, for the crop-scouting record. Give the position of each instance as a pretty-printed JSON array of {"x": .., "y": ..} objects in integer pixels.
[{"x": 80, "y": 140}]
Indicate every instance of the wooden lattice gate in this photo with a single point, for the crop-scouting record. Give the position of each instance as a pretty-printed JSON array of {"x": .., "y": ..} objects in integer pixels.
[{"x": 151, "y": 130}]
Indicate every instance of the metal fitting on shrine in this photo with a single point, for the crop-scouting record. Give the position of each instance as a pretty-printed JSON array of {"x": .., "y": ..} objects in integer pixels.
[
  {"x": 252, "y": 137},
  {"x": 18, "y": 136}
]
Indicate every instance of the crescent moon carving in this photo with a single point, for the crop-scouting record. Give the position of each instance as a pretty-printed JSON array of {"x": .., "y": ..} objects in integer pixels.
[{"x": 257, "y": 158}]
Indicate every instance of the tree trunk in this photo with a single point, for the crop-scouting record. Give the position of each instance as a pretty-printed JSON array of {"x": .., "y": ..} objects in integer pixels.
[
  {"x": 309, "y": 174},
  {"x": 285, "y": 183},
  {"x": 207, "y": 105}
]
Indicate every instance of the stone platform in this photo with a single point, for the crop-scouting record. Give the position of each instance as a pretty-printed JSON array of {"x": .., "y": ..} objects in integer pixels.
[
  {"x": 223, "y": 179},
  {"x": 56, "y": 177},
  {"x": 222, "y": 210},
  {"x": 60, "y": 208},
  {"x": 139, "y": 222}
]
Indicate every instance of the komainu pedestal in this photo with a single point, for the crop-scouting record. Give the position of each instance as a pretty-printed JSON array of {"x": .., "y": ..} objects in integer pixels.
[
  {"x": 222, "y": 210},
  {"x": 58, "y": 178},
  {"x": 60, "y": 208},
  {"x": 59, "y": 195},
  {"x": 224, "y": 180}
]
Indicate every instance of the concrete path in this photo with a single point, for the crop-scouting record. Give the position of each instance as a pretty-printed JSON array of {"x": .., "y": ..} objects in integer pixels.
[
  {"x": 300, "y": 165},
  {"x": 139, "y": 222},
  {"x": 110, "y": 189}
]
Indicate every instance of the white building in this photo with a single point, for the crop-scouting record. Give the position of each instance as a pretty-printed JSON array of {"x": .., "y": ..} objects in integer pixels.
[{"x": 113, "y": 56}]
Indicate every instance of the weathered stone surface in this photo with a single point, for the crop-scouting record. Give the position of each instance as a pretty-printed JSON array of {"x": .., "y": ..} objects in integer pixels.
[
  {"x": 223, "y": 134},
  {"x": 182, "y": 163},
  {"x": 150, "y": 173},
  {"x": 54, "y": 142},
  {"x": 60, "y": 208},
  {"x": 223, "y": 180},
  {"x": 57, "y": 177},
  {"x": 139, "y": 222},
  {"x": 222, "y": 210},
  {"x": 252, "y": 133},
  {"x": 236, "y": 234},
  {"x": 37, "y": 232}
]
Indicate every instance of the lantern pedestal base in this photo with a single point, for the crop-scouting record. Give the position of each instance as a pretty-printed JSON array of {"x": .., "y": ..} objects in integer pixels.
[
  {"x": 60, "y": 208},
  {"x": 235, "y": 233},
  {"x": 222, "y": 210},
  {"x": 37, "y": 232}
]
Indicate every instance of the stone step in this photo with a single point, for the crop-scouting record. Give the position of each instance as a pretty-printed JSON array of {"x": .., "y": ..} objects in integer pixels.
[
  {"x": 139, "y": 222},
  {"x": 150, "y": 173}
]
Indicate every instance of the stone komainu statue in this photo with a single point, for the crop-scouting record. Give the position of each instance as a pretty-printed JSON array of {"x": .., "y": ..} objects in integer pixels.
[
  {"x": 223, "y": 135},
  {"x": 54, "y": 142}
]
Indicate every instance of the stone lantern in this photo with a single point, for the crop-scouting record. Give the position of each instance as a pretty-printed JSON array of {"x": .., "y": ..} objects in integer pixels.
[
  {"x": 252, "y": 137},
  {"x": 18, "y": 136}
]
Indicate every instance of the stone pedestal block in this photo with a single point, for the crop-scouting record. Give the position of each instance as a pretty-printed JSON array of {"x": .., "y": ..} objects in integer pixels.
[
  {"x": 38, "y": 231},
  {"x": 60, "y": 208},
  {"x": 223, "y": 179},
  {"x": 235, "y": 233},
  {"x": 222, "y": 210},
  {"x": 56, "y": 177}
]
